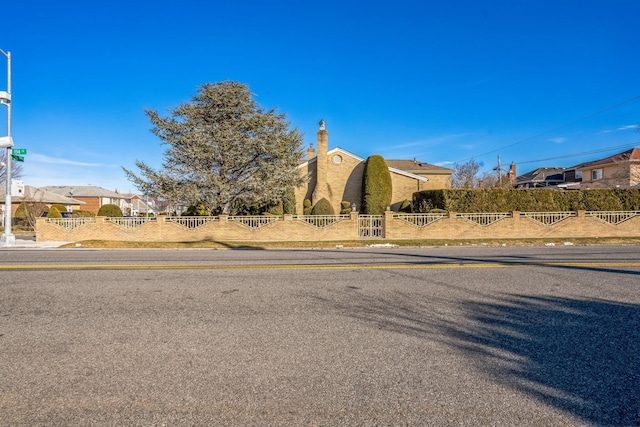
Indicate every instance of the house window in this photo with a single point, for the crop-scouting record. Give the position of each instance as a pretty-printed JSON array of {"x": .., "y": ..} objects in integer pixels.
[
  {"x": 578, "y": 174},
  {"x": 596, "y": 174}
]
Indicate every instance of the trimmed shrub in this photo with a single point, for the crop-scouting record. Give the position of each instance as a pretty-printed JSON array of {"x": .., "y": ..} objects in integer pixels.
[
  {"x": 59, "y": 206},
  {"x": 275, "y": 209},
  {"x": 406, "y": 206},
  {"x": 20, "y": 212},
  {"x": 323, "y": 207},
  {"x": 54, "y": 213},
  {"x": 345, "y": 207},
  {"x": 199, "y": 209},
  {"x": 26, "y": 213},
  {"x": 307, "y": 207},
  {"x": 376, "y": 186},
  {"x": 110, "y": 210}
]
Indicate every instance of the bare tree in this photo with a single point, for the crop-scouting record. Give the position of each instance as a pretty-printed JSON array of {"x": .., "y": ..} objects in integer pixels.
[
  {"x": 465, "y": 175},
  {"x": 493, "y": 180},
  {"x": 16, "y": 168},
  {"x": 32, "y": 211}
]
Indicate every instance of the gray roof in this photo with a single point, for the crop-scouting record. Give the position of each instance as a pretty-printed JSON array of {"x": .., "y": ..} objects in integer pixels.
[
  {"x": 85, "y": 191},
  {"x": 39, "y": 195},
  {"x": 548, "y": 176},
  {"x": 416, "y": 167}
]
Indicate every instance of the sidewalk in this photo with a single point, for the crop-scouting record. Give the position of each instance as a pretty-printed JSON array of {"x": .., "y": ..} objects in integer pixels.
[{"x": 29, "y": 242}]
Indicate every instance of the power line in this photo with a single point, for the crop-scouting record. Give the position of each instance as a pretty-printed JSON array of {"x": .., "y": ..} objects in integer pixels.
[
  {"x": 584, "y": 153},
  {"x": 635, "y": 98}
]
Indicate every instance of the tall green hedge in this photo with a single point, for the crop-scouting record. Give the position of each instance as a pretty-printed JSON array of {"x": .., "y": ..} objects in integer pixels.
[
  {"x": 376, "y": 186},
  {"x": 526, "y": 200},
  {"x": 289, "y": 201}
]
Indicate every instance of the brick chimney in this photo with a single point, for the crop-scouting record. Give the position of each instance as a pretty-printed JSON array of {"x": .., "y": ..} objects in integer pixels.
[
  {"x": 321, "y": 189},
  {"x": 311, "y": 153},
  {"x": 512, "y": 173}
]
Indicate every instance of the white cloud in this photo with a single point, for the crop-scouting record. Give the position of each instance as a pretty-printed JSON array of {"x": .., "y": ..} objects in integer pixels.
[
  {"x": 40, "y": 158},
  {"x": 622, "y": 128},
  {"x": 558, "y": 140}
]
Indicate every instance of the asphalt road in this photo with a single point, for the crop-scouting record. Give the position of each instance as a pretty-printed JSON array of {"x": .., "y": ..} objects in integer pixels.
[{"x": 433, "y": 336}]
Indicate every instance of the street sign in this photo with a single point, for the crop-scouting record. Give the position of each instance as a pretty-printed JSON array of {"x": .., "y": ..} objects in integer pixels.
[
  {"x": 17, "y": 158},
  {"x": 18, "y": 151}
]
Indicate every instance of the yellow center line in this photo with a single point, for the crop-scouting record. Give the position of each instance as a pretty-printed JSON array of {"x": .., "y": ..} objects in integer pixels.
[{"x": 593, "y": 264}]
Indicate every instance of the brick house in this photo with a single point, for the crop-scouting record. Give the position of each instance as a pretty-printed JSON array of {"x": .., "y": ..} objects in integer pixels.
[
  {"x": 39, "y": 196},
  {"x": 93, "y": 197},
  {"x": 336, "y": 175},
  {"x": 620, "y": 170}
]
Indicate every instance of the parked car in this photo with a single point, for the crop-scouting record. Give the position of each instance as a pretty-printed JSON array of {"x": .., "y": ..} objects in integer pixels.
[{"x": 64, "y": 214}]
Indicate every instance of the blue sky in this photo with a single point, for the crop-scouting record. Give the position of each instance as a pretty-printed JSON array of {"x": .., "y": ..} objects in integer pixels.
[{"x": 440, "y": 81}]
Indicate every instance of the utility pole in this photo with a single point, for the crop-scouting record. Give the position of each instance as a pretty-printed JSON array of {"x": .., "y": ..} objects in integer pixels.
[
  {"x": 499, "y": 169},
  {"x": 8, "y": 239}
]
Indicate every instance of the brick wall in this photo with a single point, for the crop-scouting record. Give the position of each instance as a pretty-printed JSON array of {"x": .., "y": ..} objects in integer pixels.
[
  {"x": 513, "y": 225},
  {"x": 396, "y": 227}
]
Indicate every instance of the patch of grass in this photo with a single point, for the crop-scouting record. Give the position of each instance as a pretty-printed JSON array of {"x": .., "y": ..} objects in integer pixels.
[
  {"x": 19, "y": 230},
  {"x": 210, "y": 244}
]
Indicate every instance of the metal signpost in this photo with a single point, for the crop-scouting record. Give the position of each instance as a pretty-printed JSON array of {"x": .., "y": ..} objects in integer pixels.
[{"x": 8, "y": 239}]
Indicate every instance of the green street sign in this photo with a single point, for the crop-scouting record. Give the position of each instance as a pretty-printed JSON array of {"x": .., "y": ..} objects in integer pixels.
[
  {"x": 17, "y": 158},
  {"x": 18, "y": 151}
]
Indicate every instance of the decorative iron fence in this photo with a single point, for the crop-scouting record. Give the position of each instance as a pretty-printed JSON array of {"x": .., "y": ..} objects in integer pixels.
[
  {"x": 613, "y": 217},
  {"x": 320, "y": 221},
  {"x": 420, "y": 220},
  {"x": 484, "y": 219},
  {"x": 191, "y": 222},
  {"x": 548, "y": 218},
  {"x": 129, "y": 223},
  {"x": 255, "y": 221},
  {"x": 70, "y": 223}
]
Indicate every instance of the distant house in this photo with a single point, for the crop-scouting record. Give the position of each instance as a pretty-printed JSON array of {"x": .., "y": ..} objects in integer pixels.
[
  {"x": 336, "y": 175},
  {"x": 142, "y": 206},
  {"x": 93, "y": 197},
  {"x": 542, "y": 178},
  {"x": 620, "y": 170},
  {"x": 39, "y": 195}
]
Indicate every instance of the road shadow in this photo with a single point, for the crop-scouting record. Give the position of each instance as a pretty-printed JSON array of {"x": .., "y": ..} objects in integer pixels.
[
  {"x": 503, "y": 259},
  {"x": 578, "y": 355},
  {"x": 582, "y": 356},
  {"x": 232, "y": 245}
]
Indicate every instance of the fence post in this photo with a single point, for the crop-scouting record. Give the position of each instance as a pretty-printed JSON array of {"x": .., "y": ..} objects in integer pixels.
[{"x": 387, "y": 228}]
